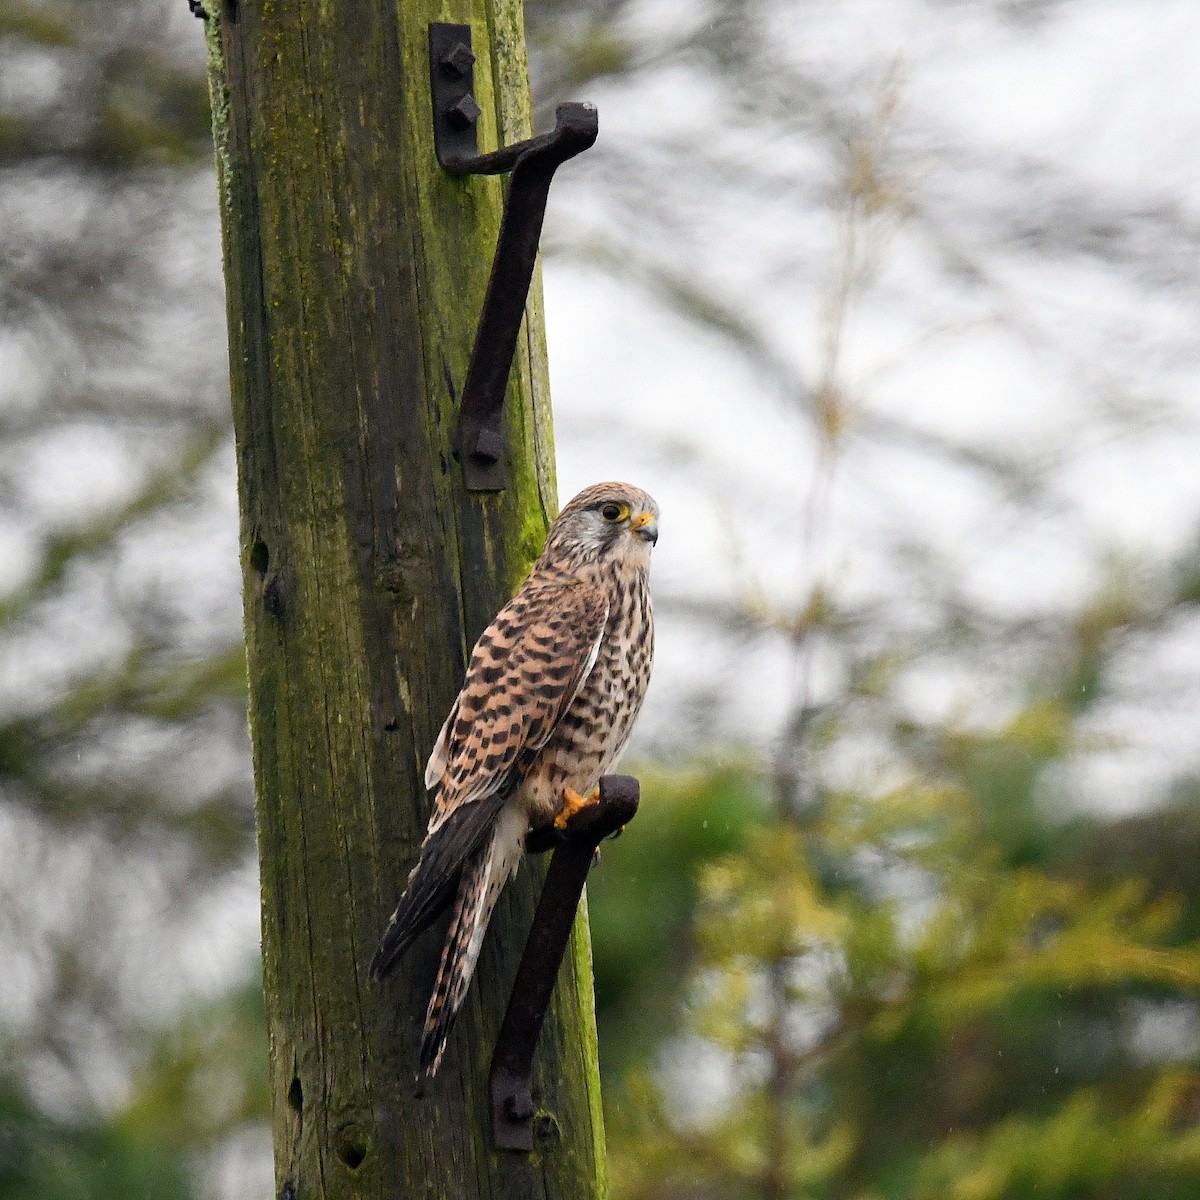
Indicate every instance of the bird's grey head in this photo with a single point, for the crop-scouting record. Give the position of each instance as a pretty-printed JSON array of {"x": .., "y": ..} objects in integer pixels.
[{"x": 607, "y": 521}]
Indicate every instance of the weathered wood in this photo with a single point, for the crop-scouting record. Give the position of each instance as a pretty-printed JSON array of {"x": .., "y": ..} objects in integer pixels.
[{"x": 355, "y": 269}]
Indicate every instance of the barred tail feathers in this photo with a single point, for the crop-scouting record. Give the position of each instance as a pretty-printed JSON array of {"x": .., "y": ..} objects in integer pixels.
[
  {"x": 433, "y": 881},
  {"x": 482, "y": 880}
]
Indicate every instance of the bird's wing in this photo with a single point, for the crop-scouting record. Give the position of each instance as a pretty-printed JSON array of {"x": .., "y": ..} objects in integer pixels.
[{"x": 524, "y": 672}]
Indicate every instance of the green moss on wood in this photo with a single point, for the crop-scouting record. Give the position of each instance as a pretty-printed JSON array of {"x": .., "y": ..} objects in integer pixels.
[
  {"x": 581, "y": 950},
  {"x": 218, "y": 96}
]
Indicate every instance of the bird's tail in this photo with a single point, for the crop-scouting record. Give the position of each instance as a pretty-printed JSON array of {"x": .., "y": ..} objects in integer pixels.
[
  {"x": 479, "y": 887},
  {"x": 445, "y": 854}
]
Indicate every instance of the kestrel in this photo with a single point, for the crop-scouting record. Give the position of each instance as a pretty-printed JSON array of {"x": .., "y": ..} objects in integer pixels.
[{"x": 553, "y": 688}]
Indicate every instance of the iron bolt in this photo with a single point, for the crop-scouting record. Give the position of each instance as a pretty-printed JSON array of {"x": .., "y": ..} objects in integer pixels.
[
  {"x": 464, "y": 113},
  {"x": 458, "y": 60},
  {"x": 487, "y": 445}
]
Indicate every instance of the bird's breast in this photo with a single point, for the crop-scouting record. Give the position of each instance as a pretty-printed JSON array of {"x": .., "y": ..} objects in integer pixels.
[{"x": 591, "y": 734}]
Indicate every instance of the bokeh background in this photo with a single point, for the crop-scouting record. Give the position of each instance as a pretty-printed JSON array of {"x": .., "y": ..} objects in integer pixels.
[{"x": 895, "y": 306}]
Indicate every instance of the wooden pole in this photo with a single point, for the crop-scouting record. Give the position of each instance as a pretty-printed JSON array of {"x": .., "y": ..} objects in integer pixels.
[{"x": 355, "y": 270}]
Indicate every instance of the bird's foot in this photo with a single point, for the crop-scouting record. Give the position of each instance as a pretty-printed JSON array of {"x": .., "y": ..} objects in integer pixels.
[{"x": 573, "y": 802}]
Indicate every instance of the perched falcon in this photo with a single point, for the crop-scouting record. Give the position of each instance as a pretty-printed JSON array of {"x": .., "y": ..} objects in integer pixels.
[{"x": 552, "y": 691}]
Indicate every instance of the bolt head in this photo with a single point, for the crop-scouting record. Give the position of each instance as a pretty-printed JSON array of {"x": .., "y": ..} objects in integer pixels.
[
  {"x": 464, "y": 113},
  {"x": 487, "y": 445},
  {"x": 458, "y": 60}
]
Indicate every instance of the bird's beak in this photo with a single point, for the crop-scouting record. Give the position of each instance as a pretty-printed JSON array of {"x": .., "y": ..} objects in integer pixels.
[{"x": 645, "y": 526}]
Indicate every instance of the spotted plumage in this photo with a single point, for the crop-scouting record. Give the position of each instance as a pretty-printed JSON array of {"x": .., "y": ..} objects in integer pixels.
[{"x": 553, "y": 688}]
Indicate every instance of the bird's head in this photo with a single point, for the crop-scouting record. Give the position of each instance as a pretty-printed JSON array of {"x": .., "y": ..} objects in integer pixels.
[{"x": 607, "y": 521}]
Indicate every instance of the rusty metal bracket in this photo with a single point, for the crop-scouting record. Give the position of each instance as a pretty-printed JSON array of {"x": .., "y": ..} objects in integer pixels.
[
  {"x": 512, "y": 1097},
  {"x": 532, "y": 164}
]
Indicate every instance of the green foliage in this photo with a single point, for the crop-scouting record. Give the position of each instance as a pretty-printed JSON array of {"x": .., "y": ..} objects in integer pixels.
[
  {"x": 206, "y": 1075},
  {"x": 1082, "y": 1147},
  {"x": 901, "y": 1011},
  {"x": 642, "y": 898},
  {"x": 45, "y": 1159},
  {"x": 197, "y": 1082}
]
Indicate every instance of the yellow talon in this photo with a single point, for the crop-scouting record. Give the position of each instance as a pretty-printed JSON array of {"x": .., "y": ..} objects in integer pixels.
[{"x": 572, "y": 803}]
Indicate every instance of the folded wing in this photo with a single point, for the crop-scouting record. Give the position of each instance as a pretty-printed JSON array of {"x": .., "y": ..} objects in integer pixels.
[{"x": 524, "y": 672}]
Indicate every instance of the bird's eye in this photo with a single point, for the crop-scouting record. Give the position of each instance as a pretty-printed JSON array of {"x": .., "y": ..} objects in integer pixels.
[{"x": 613, "y": 512}]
